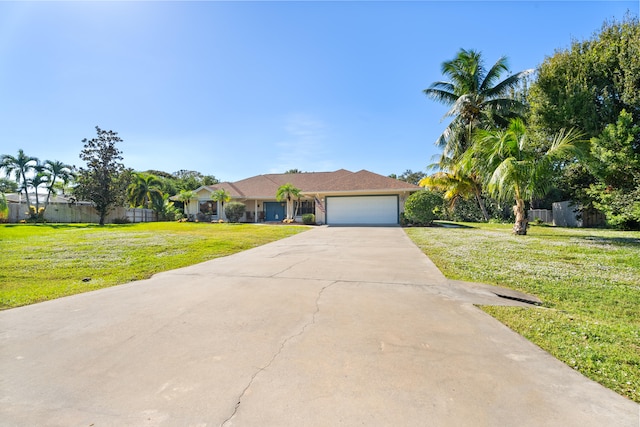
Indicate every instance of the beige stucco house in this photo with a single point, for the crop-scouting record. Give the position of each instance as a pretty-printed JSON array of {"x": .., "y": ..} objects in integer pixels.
[{"x": 339, "y": 197}]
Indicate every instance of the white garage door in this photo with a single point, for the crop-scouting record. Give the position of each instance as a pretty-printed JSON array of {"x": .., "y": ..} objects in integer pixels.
[{"x": 362, "y": 210}]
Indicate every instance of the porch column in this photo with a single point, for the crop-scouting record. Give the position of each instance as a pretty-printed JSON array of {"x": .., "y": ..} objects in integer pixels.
[{"x": 255, "y": 213}]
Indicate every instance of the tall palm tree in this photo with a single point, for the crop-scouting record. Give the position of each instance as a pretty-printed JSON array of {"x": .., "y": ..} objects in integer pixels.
[
  {"x": 477, "y": 98},
  {"x": 20, "y": 166},
  {"x": 288, "y": 192},
  {"x": 57, "y": 171},
  {"x": 39, "y": 179},
  {"x": 145, "y": 190},
  {"x": 185, "y": 197},
  {"x": 515, "y": 168},
  {"x": 220, "y": 195}
]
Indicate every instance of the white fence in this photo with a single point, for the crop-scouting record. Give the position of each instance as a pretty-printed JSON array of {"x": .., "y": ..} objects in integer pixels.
[
  {"x": 81, "y": 212},
  {"x": 545, "y": 215}
]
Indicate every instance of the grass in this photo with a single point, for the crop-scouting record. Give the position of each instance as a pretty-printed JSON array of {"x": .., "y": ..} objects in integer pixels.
[
  {"x": 46, "y": 261},
  {"x": 588, "y": 279}
]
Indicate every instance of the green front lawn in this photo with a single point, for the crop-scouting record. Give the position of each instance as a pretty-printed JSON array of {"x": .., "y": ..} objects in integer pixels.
[
  {"x": 47, "y": 261},
  {"x": 588, "y": 279}
]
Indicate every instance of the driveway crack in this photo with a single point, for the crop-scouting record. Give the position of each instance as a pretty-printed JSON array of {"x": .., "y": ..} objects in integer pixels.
[
  {"x": 289, "y": 267},
  {"x": 277, "y": 353}
]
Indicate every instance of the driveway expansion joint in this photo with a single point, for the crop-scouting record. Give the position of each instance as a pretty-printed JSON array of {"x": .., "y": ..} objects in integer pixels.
[{"x": 275, "y": 356}]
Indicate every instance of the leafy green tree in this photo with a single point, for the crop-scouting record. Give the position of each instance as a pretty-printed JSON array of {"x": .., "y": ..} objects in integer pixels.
[
  {"x": 8, "y": 186},
  {"x": 185, "y": 196},
  {"x": 515, "y": 169},
  {"x": 234, "y": 211},
  {"x": 588, "y": 85},
  {"x": 209, "y": 180},
  {"x": 57, "y": 172},
  {"x": 615, "y": 162},
  {"x": 101, "y": 181},
  {"x": 20, "y": 166},
  {"x": 421, "y": 208},
  {"x": 293, "y": 171},
  {"x": 188, "y": 180},
  {"x": 289, "y": 193},
  {"x": 145, "y": 191},
  {"x": 409, "y": 176},
  {"x": 191, "y": 180}
]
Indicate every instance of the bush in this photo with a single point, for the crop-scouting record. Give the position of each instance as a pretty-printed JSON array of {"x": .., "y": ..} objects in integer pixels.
[
  {"x": 35, "y": 216},
  {"x": 4, "y": 209},
  {"x": 309, "y": 219},
  {"x": 166, "y": 210},
  {"x": 123, "y": 220},
  {"x": 234, "y": 211},
  {"x": 420, "y": 208}
]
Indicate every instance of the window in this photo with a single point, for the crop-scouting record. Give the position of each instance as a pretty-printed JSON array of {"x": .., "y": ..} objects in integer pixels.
[
  {"x": 209, "y": 207},
  {"x": 307, "y": 207}
]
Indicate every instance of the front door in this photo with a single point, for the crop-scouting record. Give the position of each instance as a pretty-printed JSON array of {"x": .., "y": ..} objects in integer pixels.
[{"x": 274, "y": 211}]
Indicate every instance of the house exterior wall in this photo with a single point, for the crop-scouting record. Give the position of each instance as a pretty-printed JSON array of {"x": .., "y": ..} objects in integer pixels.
[
  {"x": 321, "y": 214},
  {"x": 255, "y": 207}
]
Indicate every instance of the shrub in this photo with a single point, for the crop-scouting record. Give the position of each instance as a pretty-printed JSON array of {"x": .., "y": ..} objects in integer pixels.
[
  {"x": 123, "y": 220},
  {"x": 35, "y": 216},
  {"x": 420, "y": 208},
  {"x": 234, "y": 211},
  {"x": 4, "y": 208},
  {"x": 166, "y": 210},
  {"x": 309, "y": 219}
]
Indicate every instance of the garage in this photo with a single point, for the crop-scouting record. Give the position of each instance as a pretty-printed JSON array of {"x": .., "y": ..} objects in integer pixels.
[{"x": 362, "y": 210}]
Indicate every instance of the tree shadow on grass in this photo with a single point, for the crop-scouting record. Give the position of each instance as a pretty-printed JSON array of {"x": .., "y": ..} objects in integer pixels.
[
  {"x": 62, "y": 226},
  {"x": 449, "y": 224},
  {"x": 617, "y": 241}
]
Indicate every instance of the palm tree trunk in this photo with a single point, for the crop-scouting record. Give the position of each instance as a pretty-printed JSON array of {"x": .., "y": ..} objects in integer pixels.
[
  {"x": 289, "y": 207},
  {"x": 46, "y": 201},
  {"x": 25, "y": 187},
  {"x": 482, "y": 206},
  {"x": 520, "y": 226},
  {"x": 49, "y": 191},
  {"x": 295, "y": 212}
]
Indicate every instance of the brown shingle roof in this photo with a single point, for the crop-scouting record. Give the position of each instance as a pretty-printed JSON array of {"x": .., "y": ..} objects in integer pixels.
[
  {"x": 364, "y": 180},
  {"x": 266, "y": 186}
]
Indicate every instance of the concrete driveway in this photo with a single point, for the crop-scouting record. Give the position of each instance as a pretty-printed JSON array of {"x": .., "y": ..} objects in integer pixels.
[{"x": 334, "y": 326}]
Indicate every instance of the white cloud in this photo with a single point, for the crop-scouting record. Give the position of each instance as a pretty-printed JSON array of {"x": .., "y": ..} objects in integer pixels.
[{"x": 304, "y": 147}]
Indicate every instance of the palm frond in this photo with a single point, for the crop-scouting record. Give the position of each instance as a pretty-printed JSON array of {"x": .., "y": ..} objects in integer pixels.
[
  {"x": 494, "y": 74},
  {"x": 502, "y": 87},
  {"x": 443, "y": 96}
]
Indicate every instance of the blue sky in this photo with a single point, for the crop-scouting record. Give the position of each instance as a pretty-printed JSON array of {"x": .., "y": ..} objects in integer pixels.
[{"x": 235, "y": 89}]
